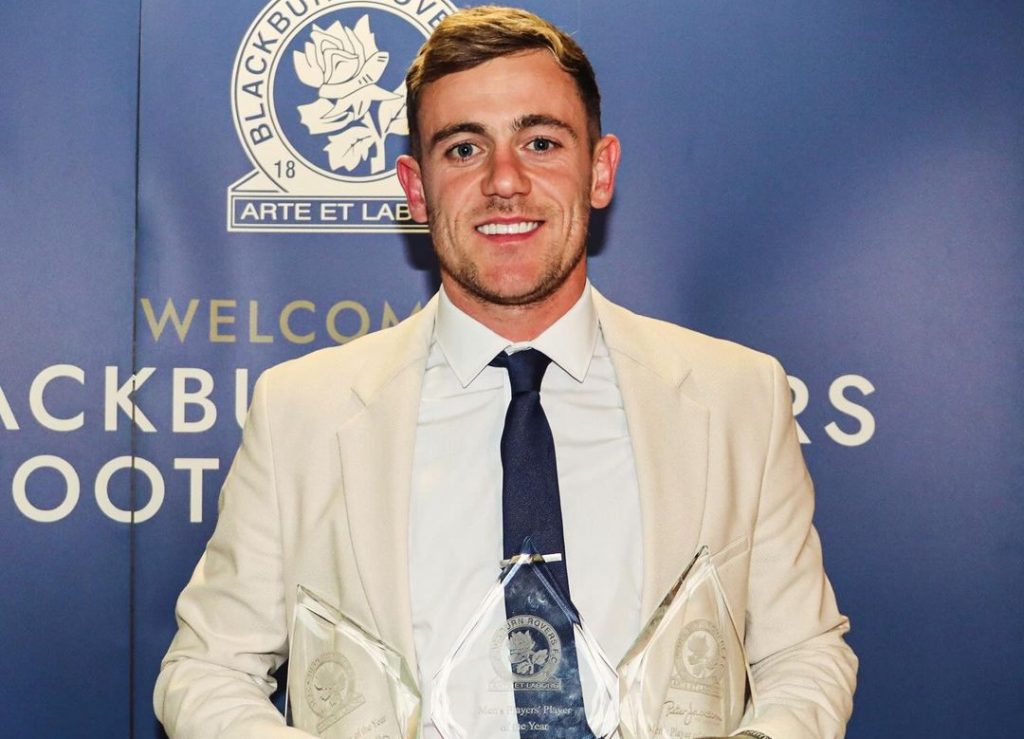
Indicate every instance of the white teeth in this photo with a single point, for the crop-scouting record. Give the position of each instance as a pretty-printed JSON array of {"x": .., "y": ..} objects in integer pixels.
[{"x": 500, "y": 229}]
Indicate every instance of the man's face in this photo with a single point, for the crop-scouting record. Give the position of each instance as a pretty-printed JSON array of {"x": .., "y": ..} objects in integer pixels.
[{"x": 506, "y": 179}]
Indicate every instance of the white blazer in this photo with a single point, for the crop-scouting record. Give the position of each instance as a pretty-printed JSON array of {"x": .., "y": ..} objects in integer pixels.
[{"x": 318, "y": 495}]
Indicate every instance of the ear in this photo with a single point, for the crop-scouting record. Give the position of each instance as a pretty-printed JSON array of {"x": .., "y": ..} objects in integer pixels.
[
  {"x": 411, "y": 178},
  {"x": 604, "y": 165}
]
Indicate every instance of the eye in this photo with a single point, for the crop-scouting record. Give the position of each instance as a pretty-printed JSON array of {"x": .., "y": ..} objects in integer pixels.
[
  {"x": 462, "y": 150},
  {"x": 541, "y": 144}
]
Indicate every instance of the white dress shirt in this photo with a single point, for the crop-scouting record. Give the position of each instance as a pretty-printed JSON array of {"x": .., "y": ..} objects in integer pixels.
[{"x": 455, "y": 519}]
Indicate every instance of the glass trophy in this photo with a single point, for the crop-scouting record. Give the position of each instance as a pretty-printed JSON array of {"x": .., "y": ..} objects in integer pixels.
[
  {"x": 686, "y": 675},
  {"x": 525, "y": 666},
  {"x": 344, "y": 683}
]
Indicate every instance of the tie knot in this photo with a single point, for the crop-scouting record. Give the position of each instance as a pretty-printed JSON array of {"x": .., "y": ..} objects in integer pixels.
[{"x": 525, "y": 369}]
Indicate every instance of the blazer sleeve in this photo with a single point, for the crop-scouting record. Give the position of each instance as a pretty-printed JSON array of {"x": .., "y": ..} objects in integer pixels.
[
  {"x": 803, "y": 671},
  {"x": 216, "y": 678}
]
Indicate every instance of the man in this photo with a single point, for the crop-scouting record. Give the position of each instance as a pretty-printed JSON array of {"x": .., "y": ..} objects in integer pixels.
[{"x": 372, "y": 473}]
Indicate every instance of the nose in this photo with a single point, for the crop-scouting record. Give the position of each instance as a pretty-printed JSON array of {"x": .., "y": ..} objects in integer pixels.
[{"x": 506, "y": 176}]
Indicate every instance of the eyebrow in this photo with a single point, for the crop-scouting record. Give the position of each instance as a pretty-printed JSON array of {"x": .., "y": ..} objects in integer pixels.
[
  {"x": 454, "y": 129},
  {"x": 531, "y": 120},
  {"x": 540, "y": 119}
]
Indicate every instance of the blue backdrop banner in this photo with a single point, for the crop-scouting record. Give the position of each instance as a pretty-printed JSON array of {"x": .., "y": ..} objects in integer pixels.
[{"x": 836, "y": 183}]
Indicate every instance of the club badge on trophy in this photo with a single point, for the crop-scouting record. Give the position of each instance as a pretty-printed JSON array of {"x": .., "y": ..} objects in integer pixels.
[
  {"x": 526, "y": 663},
  {"x": 342, "y": 681},
  {"x": 686, "y": 675}
]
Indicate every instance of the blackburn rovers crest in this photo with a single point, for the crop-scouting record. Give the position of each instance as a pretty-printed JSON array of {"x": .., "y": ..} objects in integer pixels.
[
  {"x": 700, "y": 660},
  {"x": 318, "y": 98},
  {"x": 331, "y": 690},
  {"x": 525, "y": 652}
]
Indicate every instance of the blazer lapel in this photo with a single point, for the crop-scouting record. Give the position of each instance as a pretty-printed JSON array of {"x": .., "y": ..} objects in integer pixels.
[
  {"x": 669, "y": 434},
  {"x": 376, "y": 441}
]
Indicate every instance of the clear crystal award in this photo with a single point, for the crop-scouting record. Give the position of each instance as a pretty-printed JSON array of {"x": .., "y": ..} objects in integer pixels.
[
  {"x": 686, "y": 675},
  {"x": 343, "y": 682},
  {"x": 525, "y": 666}
]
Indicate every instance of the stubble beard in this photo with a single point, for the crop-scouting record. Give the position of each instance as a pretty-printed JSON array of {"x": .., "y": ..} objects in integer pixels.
[{"x": 466, "y": 274}]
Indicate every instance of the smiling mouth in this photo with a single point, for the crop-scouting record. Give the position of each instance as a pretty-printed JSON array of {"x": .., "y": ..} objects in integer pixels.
[{"x": 505, "y": 229}]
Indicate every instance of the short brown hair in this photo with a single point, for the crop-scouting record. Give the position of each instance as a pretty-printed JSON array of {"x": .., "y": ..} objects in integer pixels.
[{"x": 473, "y": 36}]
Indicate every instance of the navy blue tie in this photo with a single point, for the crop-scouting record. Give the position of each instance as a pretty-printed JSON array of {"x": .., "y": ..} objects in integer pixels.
[
  {"x": 532, "y": 509},
  {"x": 530, "y": 505}
]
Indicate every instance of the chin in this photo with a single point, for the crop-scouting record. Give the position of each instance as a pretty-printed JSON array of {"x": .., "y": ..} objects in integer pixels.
[{"x": 522, "y": 293}]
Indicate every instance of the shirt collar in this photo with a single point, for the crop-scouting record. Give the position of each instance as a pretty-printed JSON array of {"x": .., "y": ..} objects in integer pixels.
[{"x": 469, "y": 346}]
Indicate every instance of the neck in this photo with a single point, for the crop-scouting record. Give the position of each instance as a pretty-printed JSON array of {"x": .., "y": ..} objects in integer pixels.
[{"x": 517, "y": 322}]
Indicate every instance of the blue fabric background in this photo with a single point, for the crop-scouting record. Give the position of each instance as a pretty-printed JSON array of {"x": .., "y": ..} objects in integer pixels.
[{"x": 840, "y": 184}]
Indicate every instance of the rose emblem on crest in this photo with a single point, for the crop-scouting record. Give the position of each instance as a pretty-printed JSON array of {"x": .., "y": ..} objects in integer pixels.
[
  {"x": 331, "y": 687},
  {"x": 526, "y": 658},
  {"x": 356, "y": 114},
  {"x": 700, "y": 657}
]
